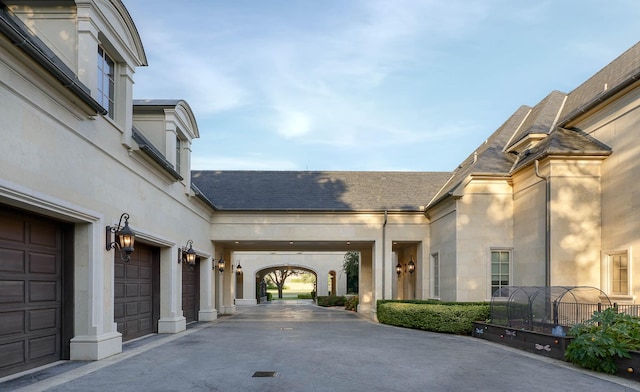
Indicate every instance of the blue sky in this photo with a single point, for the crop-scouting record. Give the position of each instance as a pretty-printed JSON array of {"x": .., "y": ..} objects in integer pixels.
[{"x": 366, "y": 85}]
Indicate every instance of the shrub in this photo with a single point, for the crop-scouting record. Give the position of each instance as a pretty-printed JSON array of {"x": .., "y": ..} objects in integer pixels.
[
  {"x": 305, "y": 296},
  {"x": 269, "y": 296},
  {"x": 456, "y": 318},
  {"x": 351, "y": 303},
  {"x": 598, "y": 341},
  {"x": 331, "y": 300}
]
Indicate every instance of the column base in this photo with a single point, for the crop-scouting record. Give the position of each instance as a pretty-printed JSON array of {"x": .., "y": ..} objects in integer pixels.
[
  {"x": 95, "y": 348},
  {"x": 228, "y": 309},
  {"x": 246, "y": 302},
  {"x": 172, "y": 325},
  {"x": 207, "y": 315}
]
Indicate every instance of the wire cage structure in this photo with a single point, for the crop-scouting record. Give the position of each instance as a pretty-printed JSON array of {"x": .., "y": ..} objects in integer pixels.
[{"x": 546, "y": 309}]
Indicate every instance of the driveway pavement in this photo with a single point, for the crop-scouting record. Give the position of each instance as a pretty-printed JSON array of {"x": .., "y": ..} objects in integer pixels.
[{"x": 297, "y": 346}]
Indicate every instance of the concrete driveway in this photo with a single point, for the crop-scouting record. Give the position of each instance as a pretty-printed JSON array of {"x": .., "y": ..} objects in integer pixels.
[{"x": 297, "y": 346}]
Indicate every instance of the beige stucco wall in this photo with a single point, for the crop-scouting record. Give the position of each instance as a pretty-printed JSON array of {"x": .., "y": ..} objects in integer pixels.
[
  {"x": 443, "y": 237},
  {"x": 55, "y": 26},
  {"x": 484, "y": 223},
  {"x": 528, "y": 229},
  {"x": 616, "y": 125},
  {"x": 575, "y": 222}
]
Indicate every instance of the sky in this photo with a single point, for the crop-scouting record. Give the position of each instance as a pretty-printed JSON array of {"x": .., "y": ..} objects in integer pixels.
[{"x": 366, "y": 85}]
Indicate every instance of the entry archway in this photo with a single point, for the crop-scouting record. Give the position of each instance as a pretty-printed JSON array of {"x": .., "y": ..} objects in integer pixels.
[{"x": 256, "y": 264}]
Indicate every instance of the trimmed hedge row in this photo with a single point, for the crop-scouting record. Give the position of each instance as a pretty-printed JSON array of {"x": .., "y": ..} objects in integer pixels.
[
  {"x": 331, "y": 300},
  {"x": 448, "y": 317}
]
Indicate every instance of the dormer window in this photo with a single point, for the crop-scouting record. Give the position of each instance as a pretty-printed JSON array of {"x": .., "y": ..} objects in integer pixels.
[{"x": 106, "y": 81}]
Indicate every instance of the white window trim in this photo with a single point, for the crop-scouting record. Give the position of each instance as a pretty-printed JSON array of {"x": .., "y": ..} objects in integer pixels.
[
  {"x": 498, "y": 249},
  {"x": 607, "y": 275}
]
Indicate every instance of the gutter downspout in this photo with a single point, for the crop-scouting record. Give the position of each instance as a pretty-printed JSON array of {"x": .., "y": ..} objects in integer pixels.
[
  {"x": 384, "y": 241},
  {"x": 547, "y": 217}
]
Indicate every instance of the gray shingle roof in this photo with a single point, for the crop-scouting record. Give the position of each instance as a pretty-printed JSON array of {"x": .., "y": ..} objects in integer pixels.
[
  {"x": 318, "y": 190},
  {"x": 566, "y": 142},
  {"x": 542, "y": 117},
  {"x": 610, "y": 79}
]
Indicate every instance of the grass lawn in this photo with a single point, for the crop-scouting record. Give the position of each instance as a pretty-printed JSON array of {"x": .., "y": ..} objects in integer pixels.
[{"x": 292, "y": 289}]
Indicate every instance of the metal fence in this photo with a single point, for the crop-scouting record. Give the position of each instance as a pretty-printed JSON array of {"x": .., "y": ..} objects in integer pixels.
[{"x": 569, "y": 314}]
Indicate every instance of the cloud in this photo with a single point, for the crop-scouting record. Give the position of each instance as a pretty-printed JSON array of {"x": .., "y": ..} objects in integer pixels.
[
  {"x": 245, "y": 162},
  {"x": 177, "y": 70}
]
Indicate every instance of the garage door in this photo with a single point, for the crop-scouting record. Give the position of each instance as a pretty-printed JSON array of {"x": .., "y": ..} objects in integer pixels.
[
  {"x": 136, "y": 304},
  {"x": 31, "y": 292},
  {"x": 190, "y": 290}
]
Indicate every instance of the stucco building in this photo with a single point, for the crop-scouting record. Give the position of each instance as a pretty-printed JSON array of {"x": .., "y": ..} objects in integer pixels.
[{"x": 549, "y": 199}]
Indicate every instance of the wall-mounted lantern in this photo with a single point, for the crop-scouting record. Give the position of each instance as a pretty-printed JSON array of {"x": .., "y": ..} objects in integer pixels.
[
  {"x": 219, "y": 264},
  {"x": 398, "y": 269},
  {"x": 124, "y": 238},
  {"x": 239, "y": 268},
  {"x": 188, "y": 255},
  {"x": 412, "y": 265}
]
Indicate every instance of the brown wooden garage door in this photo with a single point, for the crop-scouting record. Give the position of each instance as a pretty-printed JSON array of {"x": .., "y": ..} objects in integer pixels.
[
  {"x": 31, "y": 291},
  {"x": 190, "y": 291},
  {"x": 136, "y": 296}
]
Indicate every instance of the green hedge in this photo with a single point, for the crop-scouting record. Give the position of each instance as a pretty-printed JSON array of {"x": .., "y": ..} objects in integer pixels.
[
  {"x": 331, "y": 300},
  {"x": 351, "y": 303},
  {"x": 447, "y": 317}
]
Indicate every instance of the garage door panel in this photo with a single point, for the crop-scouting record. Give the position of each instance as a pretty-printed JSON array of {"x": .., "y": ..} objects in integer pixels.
[
  {"x": 132, "y": 309},
  {"x": 41, "y": 263},
  {"x": 144, "y": 307},
  {"x": 146, "y": 289},
  {"x": 14, "y": 229},
  {"x": 44, "y": 234},
  {"x": 118, "y": 270},
  {"x": 132, "y": 328},
  {"x": 145, "y": 324},
  {"x": 132, "y": 271},
  {"x": 132, "y": 289},
  {"x": 118, "y": 290},
  {"x": 118, "y": 310},
  {"x": 43, "y": 291},
  {"x": 12, "y": 322},
  {"x": 12, "y": 260},
  {"x": 12, "y": 292},
  {"x": 12, "y": 354},
  {"x": 43, "y": 346},
  {"x": 146, "y": 272},
  {"x": 42, "y": 319}
]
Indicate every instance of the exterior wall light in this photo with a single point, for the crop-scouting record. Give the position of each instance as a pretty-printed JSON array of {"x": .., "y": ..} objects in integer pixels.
[
  {"x": 239, "y": 269},
  {"x": 412, "y": 265},
  {"x": 125, "y": 237},
  {"x": 221, "y": 264},
  {"x": 188, "y": 255},
  {"x": 398, "y": 269}
]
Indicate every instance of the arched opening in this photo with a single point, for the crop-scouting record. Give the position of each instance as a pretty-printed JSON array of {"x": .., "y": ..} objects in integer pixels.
[{"x": 285, "y": 282}]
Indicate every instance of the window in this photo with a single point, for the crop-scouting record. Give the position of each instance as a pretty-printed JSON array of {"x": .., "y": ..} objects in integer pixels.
[
  {"x": 178, "y": 147},
  {"x": 435, "y": 275},
  {"x": 619, "y": 263},
  {"x": 106, "y": 82},
  {"x": 500, "y": 268}
]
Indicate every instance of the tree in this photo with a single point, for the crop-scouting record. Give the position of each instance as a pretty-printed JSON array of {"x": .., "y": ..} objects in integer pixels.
[
  {"x": 279, "y": 277},
  {"x": 351, "y": 267}
]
